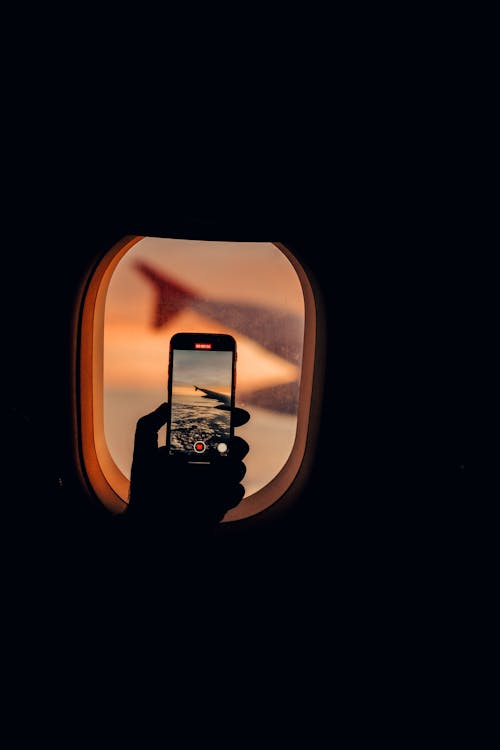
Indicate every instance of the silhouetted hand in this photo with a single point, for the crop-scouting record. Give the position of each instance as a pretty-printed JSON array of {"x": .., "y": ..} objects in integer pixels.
[{"x": 168, "y": 493}]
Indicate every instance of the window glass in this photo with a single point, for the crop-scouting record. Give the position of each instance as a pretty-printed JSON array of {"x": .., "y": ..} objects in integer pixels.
[{"x": 251, "y": 290}]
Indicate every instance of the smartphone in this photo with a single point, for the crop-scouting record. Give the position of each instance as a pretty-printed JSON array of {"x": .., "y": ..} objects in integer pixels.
[{"x": 201, "y": 392}]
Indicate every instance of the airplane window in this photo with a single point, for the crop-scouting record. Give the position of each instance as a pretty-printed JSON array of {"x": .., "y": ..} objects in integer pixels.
[{"x": 148, "y": 288}]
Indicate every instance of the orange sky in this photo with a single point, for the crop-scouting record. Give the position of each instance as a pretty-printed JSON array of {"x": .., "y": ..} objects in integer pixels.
[
  {"x": 188, "y": 390},
  {"x": 252, "y": 272},
  {"x": 136, "y": 355}
]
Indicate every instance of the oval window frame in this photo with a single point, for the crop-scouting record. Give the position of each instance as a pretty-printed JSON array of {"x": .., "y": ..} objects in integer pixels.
[{"x": 98, "y": 471}]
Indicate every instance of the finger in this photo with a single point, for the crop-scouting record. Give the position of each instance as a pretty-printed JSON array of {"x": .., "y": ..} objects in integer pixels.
[
  {"x": 240, "y": 416},
  {"x": 231, "y": 501},
  {"x": 235, "y": 473},
  {"x": 226, "y": 474},
  {"x": 155, "y": 419},
  {"x": 239, "y": 448},
  {"x": 146, "y": 432}
]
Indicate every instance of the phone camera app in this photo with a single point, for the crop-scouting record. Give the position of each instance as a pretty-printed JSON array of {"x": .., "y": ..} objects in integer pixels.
[{"x": 199, "y": 446}]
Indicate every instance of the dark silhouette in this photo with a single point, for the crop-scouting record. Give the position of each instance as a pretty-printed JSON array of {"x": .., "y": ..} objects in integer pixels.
[{"x": 173, "y": 498}]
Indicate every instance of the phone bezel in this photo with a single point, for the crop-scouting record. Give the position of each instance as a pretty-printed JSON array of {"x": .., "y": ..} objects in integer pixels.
[{"x": 186, "y": 341}]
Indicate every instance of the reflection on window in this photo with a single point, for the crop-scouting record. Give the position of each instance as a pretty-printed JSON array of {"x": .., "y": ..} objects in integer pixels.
[{"x": 250, "y": 290}]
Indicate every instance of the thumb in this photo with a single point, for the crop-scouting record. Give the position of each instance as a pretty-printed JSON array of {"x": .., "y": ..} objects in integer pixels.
[{"x": 146, "y": 433}]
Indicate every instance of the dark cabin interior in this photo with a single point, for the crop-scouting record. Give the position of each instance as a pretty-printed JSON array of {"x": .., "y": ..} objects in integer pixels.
[{"x": 368, "y": 553}]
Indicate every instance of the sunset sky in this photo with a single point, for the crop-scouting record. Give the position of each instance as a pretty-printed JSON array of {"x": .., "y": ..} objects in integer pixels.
[
  {"x": 136, "y": 353},
  {"x": 204, "y": 369}
]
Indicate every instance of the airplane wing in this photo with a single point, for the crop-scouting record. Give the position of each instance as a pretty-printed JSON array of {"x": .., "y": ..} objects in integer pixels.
[
  {"x": 171, "y": 296},
  {"x": 278, "y": 331},
  {"x": 223, "y": 398}
]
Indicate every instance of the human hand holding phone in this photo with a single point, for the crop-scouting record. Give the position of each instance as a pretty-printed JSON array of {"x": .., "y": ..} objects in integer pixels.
[
  {"x": 195, "y": 478},
  {"x": 167, "y": 492}
]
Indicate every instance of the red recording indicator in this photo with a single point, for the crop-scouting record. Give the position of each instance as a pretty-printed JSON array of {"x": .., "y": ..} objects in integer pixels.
[{"x": 203, "y": 346}]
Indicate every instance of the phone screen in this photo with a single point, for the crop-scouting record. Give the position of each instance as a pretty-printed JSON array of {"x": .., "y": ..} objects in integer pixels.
[{"x": 201, "y": 396}]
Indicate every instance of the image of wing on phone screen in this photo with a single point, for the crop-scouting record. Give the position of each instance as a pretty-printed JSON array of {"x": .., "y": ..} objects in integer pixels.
[{"x": 201, "y": 394}]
